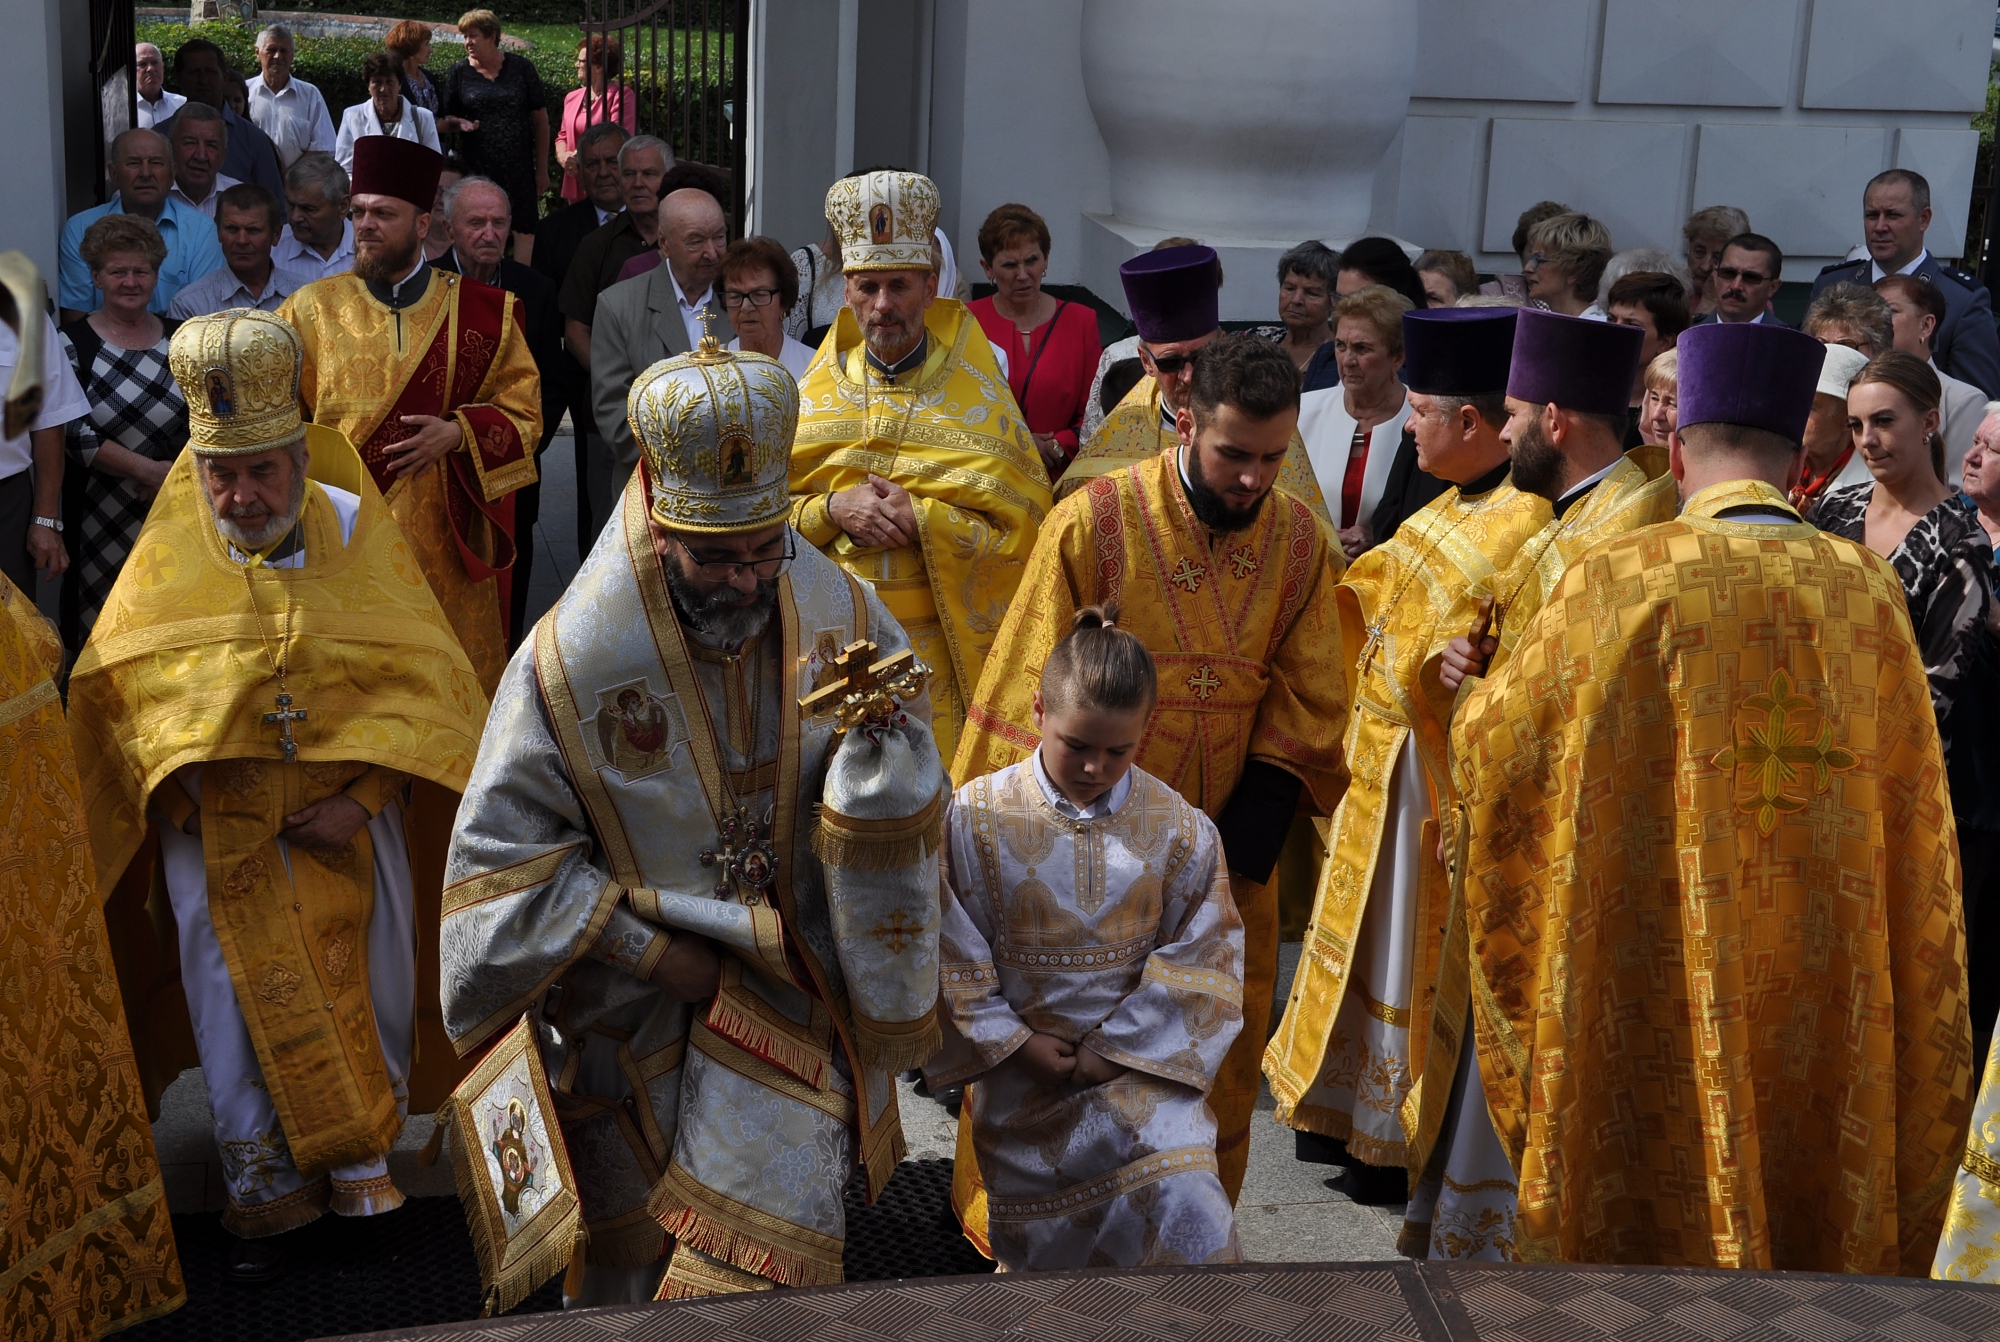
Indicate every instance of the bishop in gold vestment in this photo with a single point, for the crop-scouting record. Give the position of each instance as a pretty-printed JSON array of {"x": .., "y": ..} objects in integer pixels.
[
  {"x": 934, "y": 430},
  {"x": 426, "y": 344},
  {"x": 1711, "y": 896},
  {"x": 1243, "y": 627},
  {"x": 236, "y": 689},
  {"x": 86, "y": 1246},
  {"x": 1351, "y": 1045}
]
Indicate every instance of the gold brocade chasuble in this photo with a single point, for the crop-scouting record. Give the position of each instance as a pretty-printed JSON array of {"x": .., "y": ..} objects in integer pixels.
[
  {"x": 1399, "y": 605},
  {"x": 179, "y": 671},
  {"x": 949, "y": 433},
  {"x": 457, "y": 353},
  {"x": 1241, "y": 625},
  {"x": 1712, "y": 895},
  {"x": 1637, "y": 493},
  {"x": 1135, "y": 431},
  {"x": 86, "y": 1246}
]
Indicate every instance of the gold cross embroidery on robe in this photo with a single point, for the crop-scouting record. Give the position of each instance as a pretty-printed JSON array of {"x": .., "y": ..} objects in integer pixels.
[
  {"x": 1187, "y": 576},
  {"x": 1204, "y": 683},
  {"x": 1242, "y": 562},
  {"x": 895, "y": 932},
  {"x": 1770, "y": 757}
]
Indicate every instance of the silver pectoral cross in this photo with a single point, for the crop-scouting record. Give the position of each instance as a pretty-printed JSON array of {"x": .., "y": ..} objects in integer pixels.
[{"x": 285, "y": 717}]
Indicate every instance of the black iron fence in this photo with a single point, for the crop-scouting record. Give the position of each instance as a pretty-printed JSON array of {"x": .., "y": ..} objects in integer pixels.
[{"x": 683, "y": 66}]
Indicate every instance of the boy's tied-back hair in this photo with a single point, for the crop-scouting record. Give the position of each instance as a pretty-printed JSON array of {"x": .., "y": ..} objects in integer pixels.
[{"x": 1099, "y": 666}]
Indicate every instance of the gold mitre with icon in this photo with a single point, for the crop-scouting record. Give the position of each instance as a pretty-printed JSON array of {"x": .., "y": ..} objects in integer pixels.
[
  {"x": 715, "y": 431},
  {"x": 884, "y": 220},
  {"x": 239, "y": 371}
]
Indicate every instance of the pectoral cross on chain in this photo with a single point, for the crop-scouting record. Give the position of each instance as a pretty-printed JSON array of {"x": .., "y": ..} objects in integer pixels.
[{"x": 285, "y": 717}]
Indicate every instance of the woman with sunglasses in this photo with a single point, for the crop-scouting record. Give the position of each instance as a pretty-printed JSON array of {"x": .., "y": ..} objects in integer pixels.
[{"x": 759, "y": 287}]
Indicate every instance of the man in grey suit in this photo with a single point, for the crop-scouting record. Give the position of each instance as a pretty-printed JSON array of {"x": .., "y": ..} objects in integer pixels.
[
  {"x": 1896, "y": 211},
  {"x": 663, "y": 312}
]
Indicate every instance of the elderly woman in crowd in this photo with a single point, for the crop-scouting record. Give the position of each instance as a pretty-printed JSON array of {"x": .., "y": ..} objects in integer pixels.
[
  {"x": 1447, "y": 277},
  {"x": 495, "y": 101},
  {"x": 1705, "y": 234},
  {"x": 600, "y": 96},
  {"x": 758, "y": 290},
  {"x": 137, "y": 422},
  {"x": 1051, "y": 345},
  {"x": 387, "y": 112},
  {"x": 1515, "y": 286},
  {"x": 410, "y": 43},
  {"x": 1566, "y": 257},
  {"x": 1852, "y": 315},
  {"x": 1981, "y": 481},
  {"x": 1659, "y": 402},
  {"x": 1308, "y": 276},
  {"x": 1934, "y": 540},
  {"x": 1354, "y": 432}
]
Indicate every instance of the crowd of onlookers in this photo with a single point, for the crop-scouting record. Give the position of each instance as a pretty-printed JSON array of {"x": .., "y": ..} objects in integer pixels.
[{"x": 232, "y": 191}]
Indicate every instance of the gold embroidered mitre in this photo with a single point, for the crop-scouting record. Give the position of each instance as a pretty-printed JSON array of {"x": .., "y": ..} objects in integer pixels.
[
  {"x": 884, "y": 220},
  {"x": 239, "y": 371},
  {"x": 715, "y": 430}
]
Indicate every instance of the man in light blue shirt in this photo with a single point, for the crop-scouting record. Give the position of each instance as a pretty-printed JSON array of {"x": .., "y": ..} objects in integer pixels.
[
  {"x": 142, "y": 173},
  {"x": 246, "y": 221}
]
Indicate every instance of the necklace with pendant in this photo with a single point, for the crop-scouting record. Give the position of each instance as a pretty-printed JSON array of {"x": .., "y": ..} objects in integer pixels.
[
  {"x": 1379, "y": 627},
  {"x": 280, "y": 660}
]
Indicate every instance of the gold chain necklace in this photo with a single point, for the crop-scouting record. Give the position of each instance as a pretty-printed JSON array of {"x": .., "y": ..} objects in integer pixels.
[
  {"x": 280, "y": 661},
  {"x": 1377, "y": 629}
]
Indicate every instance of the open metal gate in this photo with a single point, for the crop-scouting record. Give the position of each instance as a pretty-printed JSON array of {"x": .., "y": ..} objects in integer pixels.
[
  {"x": 112, "y": 36},
  {"x": 685, "y": 63}
]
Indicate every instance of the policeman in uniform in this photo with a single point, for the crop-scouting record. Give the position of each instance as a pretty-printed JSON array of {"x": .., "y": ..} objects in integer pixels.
[{"x": 1896, "y": 210}]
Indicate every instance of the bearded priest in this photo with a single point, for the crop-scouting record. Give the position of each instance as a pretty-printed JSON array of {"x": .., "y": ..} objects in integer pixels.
[
  {"x": 430, "y": 376},
  {"x": 706, "y": 1039},
  {"x": 1230, "y": 582},
  {"x": 1717, "y": 963},
  {"x": 270, "y": 701},
  {"x": 914, "y": 469},
  {"x": 1351, "y": 1045}
]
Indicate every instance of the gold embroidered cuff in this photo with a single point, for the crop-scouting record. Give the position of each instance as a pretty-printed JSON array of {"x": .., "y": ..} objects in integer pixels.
[
  {"x": 812, "y": 516},
  {"x": 656, "y": 951},
  {"x": 301, "y": 1206}
]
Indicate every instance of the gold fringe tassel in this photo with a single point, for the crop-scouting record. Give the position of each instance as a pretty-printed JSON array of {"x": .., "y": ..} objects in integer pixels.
[
  {"x": 753, "y": 1036},
  {"x": 787, "y": 1267},
  {"x": 879, "y": 845},
  {"x": 898, "y": 1046}
]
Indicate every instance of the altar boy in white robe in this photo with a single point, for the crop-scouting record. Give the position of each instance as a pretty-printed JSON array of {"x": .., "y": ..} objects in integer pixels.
[{"x": 1092, "y": 974}]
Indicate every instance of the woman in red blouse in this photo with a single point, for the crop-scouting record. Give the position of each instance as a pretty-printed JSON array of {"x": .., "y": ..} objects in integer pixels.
[{"x": 1051, "y": 345}]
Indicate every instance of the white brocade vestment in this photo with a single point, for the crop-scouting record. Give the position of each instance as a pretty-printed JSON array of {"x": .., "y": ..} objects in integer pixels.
[{"x": 1111, "y": 929}]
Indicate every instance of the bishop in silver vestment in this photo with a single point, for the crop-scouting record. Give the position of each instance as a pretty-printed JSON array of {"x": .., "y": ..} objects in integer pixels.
[{"x": 633, "y": 866}]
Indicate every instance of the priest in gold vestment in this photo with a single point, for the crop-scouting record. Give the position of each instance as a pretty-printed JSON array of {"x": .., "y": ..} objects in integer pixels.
[
  {"x": 1565, "y": 404},
  {"x": 270, "y": 689},
  {"x": 913, "y": 468},
  {"x": 429, "y": 375},
  {"x": 1230, "y": 582},
  {"x": 1712, "y": 892},
  {"x": 1174, "y": 294},
  {"x": 86, "y": 1246},
  {"x": 1350, "y": 1047}
]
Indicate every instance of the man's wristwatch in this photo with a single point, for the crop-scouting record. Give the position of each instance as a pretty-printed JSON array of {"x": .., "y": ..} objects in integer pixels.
[{"x": 52, "y": 523}]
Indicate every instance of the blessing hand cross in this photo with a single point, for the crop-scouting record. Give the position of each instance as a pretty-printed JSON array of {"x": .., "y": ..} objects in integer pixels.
[
  {"x": 285, "y": 717},
  {"x": 862, "y": 689}
]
